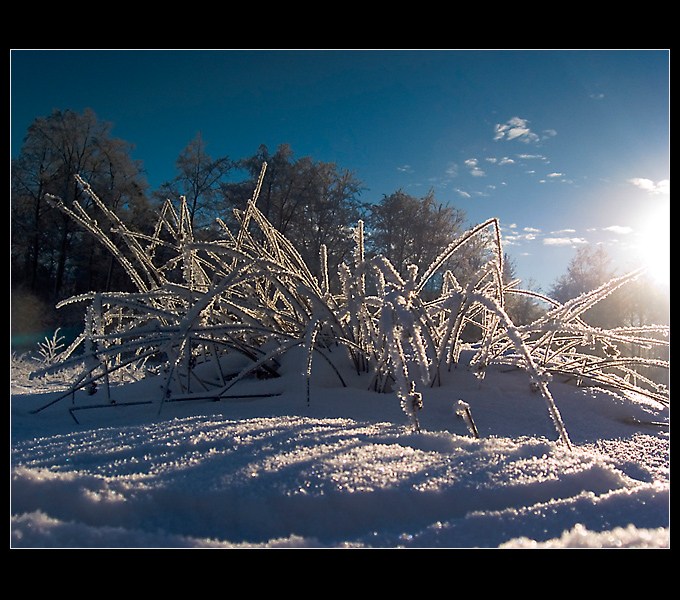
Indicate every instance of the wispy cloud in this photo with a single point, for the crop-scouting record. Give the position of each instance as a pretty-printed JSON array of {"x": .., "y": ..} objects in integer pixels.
[
  {"x": 473, "y": 165},
  {"x": 510, "y": 240},
  {"x": 405, "y": 169},
  {"x": 555, "y": 176},
  {"x": 564, "y": 241},
  {"x": 659, "y": 187},
  {"x": 515, "y": 238},
  {"x": 533, "y": 157},
  {"x": 533, "y": 235},
  {"x": 620, "y": 229},
  {"x": 596, "y": 96},
  {"x": 443, "y": 180},
  {"x": 463, "y": 193},
  {"x": 452, "y": 170},
  {"x": 506, "y": 160}
]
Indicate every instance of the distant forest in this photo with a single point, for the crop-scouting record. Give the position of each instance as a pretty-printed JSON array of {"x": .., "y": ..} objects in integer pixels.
[{"x": 312, "y": 203}]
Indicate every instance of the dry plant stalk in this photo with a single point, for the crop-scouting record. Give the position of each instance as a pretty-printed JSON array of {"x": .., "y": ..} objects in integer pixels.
[{"x": 251, "y": 294}]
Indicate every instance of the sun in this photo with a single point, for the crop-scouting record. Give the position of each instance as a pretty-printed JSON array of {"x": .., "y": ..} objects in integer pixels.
[{"x": 654, "y": 246}]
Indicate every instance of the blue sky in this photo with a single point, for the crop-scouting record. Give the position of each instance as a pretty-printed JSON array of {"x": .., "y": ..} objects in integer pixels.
[{"x": 564, "y": 147}]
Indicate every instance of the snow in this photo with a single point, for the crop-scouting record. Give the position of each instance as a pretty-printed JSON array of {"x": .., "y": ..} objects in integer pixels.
[{"x": 344, "y": 470}]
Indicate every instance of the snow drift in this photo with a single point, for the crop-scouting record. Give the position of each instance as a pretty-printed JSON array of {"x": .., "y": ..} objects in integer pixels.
[
  {"x": 239, "y": 400},
  {"x": 345, "y": 471}
]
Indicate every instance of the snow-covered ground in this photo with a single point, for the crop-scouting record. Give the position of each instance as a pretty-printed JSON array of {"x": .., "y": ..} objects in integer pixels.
[{"x": 344, "y": 471}]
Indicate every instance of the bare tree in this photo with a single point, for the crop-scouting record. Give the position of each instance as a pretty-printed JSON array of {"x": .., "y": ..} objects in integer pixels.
[
  {"x": 48, "y": 253},
  {"x": 198, "y": 179},
  {"x": 409, "y": 230},
  {"x": 588, "y": 269},
  {"x": 311, "y": 203}
]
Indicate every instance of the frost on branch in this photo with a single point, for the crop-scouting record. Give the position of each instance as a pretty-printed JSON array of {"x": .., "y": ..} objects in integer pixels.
[
  {"x": 463, "y": 411},
  {"x": 207, "y": 315}
]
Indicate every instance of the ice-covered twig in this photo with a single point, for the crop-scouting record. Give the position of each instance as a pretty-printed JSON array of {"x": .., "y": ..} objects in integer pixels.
[{"x": 463, "y": 411}]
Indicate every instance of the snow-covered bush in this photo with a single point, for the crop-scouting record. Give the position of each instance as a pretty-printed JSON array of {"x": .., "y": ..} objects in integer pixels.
[{"x": 206, "y": 315}]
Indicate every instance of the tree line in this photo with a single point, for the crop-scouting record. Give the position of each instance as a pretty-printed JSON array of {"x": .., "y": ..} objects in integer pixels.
[{"x": 312, "y": 203}]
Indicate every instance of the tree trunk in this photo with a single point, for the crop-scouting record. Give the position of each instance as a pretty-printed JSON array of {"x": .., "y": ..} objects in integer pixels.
[
  {"x": 33, "y": 267},
  {"x": 61, "y": 261}
]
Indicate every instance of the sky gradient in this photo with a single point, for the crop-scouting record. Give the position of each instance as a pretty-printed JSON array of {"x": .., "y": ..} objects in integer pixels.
[{"x": 564, "y": 147}]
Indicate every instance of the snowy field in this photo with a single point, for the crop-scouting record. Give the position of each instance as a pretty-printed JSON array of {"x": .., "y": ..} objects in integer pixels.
[{"x": 345, "y": 471}]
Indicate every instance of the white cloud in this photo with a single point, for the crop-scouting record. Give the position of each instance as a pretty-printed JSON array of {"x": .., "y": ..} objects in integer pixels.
[
  {"x": 513, "y": 237},
  {"x": 518, "y": 129},
  {"x": 563, "y": 231},
  {"x": 515, "y": 132},
  {"x": 463, "y": 193},
  {"x": 473, "y": 165},
  {"x": 555, "y": 176},
  {"x": 517, "y": 238},
  {"x": 532, "y": 157},
  {"x": 563, "y": 241},
  {"x": 506, "y": 160},
  {"x": 405, "y": 169},
  {"x": 660, "y": 187},
  {"x": 596, "y": 96},
  {"x": 452, "y": 170},
  {"x": 618, "y": 229}
]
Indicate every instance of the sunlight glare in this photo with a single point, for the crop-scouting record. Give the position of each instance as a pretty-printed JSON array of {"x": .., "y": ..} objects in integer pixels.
[{"x": 655, "y": 246}]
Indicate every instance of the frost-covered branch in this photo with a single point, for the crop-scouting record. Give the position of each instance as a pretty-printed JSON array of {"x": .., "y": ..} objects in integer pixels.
[{"x": 208, "y": 315}]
